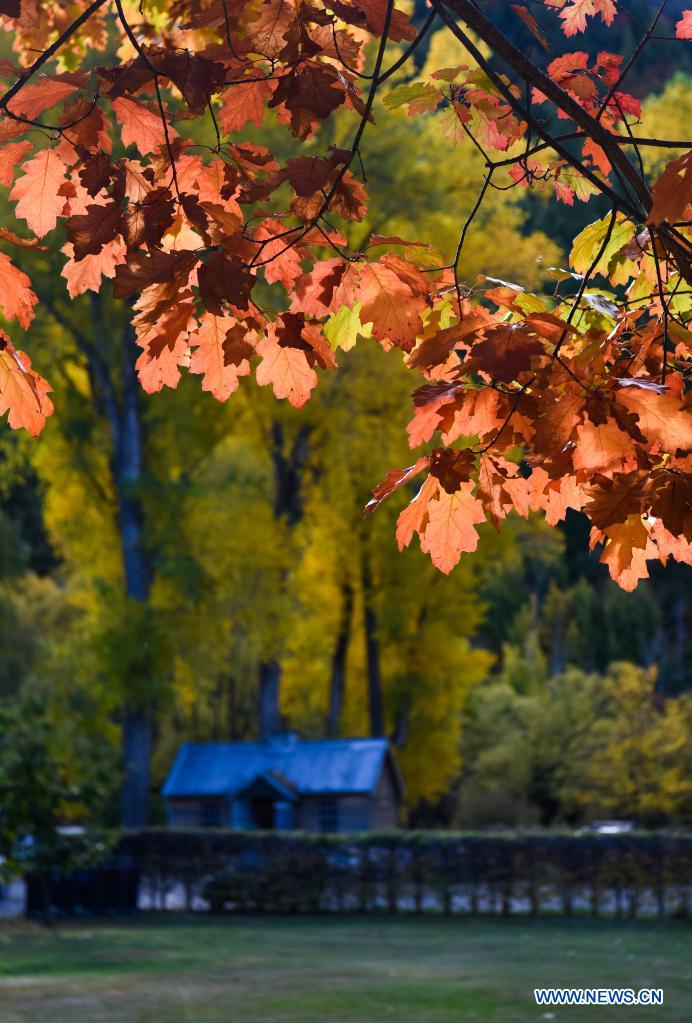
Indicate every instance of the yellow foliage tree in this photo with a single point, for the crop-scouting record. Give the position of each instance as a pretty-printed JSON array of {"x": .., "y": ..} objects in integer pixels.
[{"x": 637, "y": 767}]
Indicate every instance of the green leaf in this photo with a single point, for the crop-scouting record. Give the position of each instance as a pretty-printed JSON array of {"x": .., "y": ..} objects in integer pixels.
[
  {"x": 410, "y": 92},
  {"x": 342, "y": 328},
  {"x": 529, "y": 303},
  {"x": 449, "y": 74},
  {"x": 589, "y": 241}
]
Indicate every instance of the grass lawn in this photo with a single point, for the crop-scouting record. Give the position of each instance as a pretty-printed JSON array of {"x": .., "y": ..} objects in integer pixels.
[{"x": 242, "y": 970}]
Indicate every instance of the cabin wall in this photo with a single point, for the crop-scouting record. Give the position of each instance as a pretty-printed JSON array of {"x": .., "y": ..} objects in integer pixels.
[
  {"x": 183, "y": 813},
  {"x": 384, "y": 803},
  {"x": 199, "y": 813},
  {"x": 334, "y": 813}
]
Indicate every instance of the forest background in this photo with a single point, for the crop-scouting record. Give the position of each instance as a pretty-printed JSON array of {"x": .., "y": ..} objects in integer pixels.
[{"x": 524, "y": 688}]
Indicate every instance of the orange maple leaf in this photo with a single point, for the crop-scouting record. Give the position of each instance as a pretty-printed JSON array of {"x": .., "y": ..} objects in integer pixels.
[
  {"x": 450, "y": 529},
  {"x": 662, "y": 417},
  {"x": 394, "y": 480},
  {"x": 37, "y": 191},
  {"x": 37, "y": 96},
  {"x": 220, "y": 376},
  {"x": 287, "y": 370},
  {"x": 390, "y": 302},
  {"x": 414, "y": 517},
  {"x": 140, "y": 126},
  {"x": 601, "y": 447},
  {"x": 10, "y": 158},
  {"x": 23, "y": 393},
  {"x": 683, "y": 28},
  {"x": 88, "y": 273},
  {"x": 626, "y": 547},
  {"x": 17, "y": 300}
]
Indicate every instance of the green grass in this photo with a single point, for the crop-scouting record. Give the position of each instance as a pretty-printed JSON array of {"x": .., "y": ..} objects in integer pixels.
[{"x": 240, "y": 970}]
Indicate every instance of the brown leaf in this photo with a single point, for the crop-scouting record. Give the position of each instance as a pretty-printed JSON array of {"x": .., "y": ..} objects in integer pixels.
[
  {"x": 506, "y": 352},
  {"x": 394, "y": 480},
  {"x": 672, "y": 192},
  {"x": 451, "y": 467},
  {"x": 310, "y": 95},
  {"x": 223, "y": 278},
  {"x": 171, "y": 268},
  {"x": 614, "y": 500},
  {"x": 91, "y": 231}
]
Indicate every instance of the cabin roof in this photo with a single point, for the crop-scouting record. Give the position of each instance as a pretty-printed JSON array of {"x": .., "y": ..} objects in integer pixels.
[{"x": 312, "y": 767}]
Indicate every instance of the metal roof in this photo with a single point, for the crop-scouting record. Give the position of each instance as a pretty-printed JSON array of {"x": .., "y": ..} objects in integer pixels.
[{"x": 323, "y": 766}]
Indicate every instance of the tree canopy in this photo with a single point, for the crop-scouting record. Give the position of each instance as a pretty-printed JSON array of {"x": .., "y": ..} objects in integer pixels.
[{"x": 132, "y": 125}]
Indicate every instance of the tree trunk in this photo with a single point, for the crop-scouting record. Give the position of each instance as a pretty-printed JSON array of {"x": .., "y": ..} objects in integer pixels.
[
  {"x": 232, "y": 725},
  {"x": 137, "y": 728},
  {"x": 338, "y": 678},
  {"x": 557, "y": 644},
  {"x": 400, "y": 733},
  {"x": 680, "y": 641},
  {"x": 270, "y": 685},
  {"x": 372, "y": 650},
  {"x": 288, "y": 505},
  {"x": 136, "y": 748},
  {"x": 125, "y": 423}
]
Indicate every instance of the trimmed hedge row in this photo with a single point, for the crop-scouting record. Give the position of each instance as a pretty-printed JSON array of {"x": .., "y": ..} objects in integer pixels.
[
  {"x": 107, "y": 890},
  {"x": 635, "y": 874}
]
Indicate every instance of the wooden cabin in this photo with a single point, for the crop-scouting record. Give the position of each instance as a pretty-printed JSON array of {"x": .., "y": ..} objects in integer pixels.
[{"x": 285, "y": 783}]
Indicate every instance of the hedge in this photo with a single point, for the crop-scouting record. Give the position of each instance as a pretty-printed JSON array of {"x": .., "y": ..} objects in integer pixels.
[
  {"x": 634, "y": 874},
  {"x": 110, "y": 889}
]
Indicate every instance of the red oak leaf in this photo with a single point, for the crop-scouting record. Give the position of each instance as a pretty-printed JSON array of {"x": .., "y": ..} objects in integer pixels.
[
  {"x": 224, "y": 278},
  {"x": 614, "y": 500},
  {"x": 281, "y": 261},
  {"x": 493, "y": 474},
  {"x": 601, "y": 448},
  {"x": 392, "y": 297},
  {"x": 452, "y": 468},
  {"x": 507, "y": 351},
  {"x": 672, "y": 192},
  {"x": 527, "y": 17}
]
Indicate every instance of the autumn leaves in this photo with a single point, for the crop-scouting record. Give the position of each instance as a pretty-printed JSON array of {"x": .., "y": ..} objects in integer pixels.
[
  {"x": 556, "y": 405},
  {"x": 237, "y": 258}
]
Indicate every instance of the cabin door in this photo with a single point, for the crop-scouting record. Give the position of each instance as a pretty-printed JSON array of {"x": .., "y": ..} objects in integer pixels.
[{"x": 262, "y": 810}]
